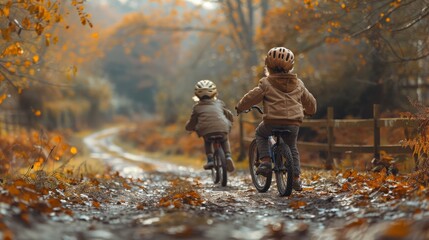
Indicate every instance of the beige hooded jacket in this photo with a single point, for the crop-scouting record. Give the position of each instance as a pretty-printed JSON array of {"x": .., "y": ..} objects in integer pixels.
[{"x": 285, "y": 99}]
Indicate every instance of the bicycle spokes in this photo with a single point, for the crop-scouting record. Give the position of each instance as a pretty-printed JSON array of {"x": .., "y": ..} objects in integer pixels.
[
  {"x": 284, "y": 174},
  {"x": 261, "y": 183}
]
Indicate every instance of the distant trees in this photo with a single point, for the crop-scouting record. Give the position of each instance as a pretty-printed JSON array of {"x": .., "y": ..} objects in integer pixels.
[
  {"x": 26, "y": 30},
  {"x": 42, "y": 44},
  {"x": 394, "y": 27},
  {"x": 364, "y": 51},
  {"x": 83, "y": 104},
  {"x": 245, "y": 19},
  {"x": 361, "y": 50},
  {"x": 140, "y": 63},
  {"x": 218, "y": 44}
]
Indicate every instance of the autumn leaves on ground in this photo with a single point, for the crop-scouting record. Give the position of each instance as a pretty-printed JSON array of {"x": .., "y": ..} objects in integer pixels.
[
  {"x": 121, "y": 74},
  {"x": 60, "y": 186}
]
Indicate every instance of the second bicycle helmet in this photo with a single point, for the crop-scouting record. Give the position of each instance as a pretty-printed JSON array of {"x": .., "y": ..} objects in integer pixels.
[{"x": 205, "y": 89}]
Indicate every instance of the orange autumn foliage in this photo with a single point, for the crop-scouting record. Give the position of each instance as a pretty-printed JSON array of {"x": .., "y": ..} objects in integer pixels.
[
  {"x": 32, "y": 151},
  {"x": 418, "y": 141},
  {"x": 180, "y": 193},
  {"x": 26, "y": 29},
  {"x": 153, "y": 136}
]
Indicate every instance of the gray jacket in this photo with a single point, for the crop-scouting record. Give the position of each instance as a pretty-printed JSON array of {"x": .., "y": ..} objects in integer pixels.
[{"x": 210, "y": 116}]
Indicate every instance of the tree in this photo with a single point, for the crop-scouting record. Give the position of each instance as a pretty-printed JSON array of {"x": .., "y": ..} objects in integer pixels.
[
  {"x": 241, "y": 23},
  {"x": 237, "y": 20},
  {"x": 26, "y": 29},
  {"x": 361, "y": 48},
  {"x": 138, "y": 63},
  {"x": 223, "y": 35},
  {"x": 242, "y": 19}
]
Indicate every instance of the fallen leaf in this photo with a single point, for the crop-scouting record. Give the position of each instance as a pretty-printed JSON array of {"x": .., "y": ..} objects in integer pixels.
[
  {"x": 398, "y": 229},
  {"x": 297, "y": 204}
]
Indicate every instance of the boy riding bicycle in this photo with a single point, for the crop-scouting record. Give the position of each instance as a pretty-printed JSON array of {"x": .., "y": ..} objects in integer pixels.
[
  {"x": 285, "y": 100},
  {"x": 210, "y": 117}
]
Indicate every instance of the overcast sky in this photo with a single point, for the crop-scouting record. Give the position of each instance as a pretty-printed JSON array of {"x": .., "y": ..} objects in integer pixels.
[{"x": 205, "y": 4}]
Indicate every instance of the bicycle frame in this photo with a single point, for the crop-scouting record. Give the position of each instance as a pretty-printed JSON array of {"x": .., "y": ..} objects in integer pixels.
[
  {"x": 273, "y": 145},
  {"x": 219, "y": 172},
  {"x": 280, "y": 155},
  {"x": 216, "y": 145}
]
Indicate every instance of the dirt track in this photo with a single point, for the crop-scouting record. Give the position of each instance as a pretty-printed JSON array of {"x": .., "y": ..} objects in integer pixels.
[{"x": 170, "y": 202}]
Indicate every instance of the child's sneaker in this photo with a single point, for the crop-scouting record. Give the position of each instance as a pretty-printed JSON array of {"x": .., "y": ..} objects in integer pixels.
[
  {"x": 297, "y": 184},
  {"x": 229, "y": 163},
  {"x": 265, "y": 167},
  {"x": 210, "y": 164}
]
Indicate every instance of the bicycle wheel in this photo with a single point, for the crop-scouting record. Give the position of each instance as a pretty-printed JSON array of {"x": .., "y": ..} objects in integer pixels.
[
  {"x": 284, "y": 169},
  {"x": 215, "y": 173},
  {"x": 261, "y": 183},
  {"x": 220, "y": 162}
]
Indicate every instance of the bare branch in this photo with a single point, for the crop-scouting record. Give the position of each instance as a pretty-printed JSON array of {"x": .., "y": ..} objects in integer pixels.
[
  {"x": 6, "y": 77},
  {"x": 389, "y": 12},
  {"x": 243, "y": 22},
  {"x": 229, "y": 12},
  {"x": 312, "y": 46},
  {"x": 251, "y": 17},
  {"x": 185, "y": 29},
  {"x": 402, "y": 59},
  {"x": 424, "y": 14},
  {"x": 264, "y": 5}
]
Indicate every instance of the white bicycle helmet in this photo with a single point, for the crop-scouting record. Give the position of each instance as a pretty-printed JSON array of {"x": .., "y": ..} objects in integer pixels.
[
  {"x": 280, "y": 57},
  {"x": 205, "y": 88}
]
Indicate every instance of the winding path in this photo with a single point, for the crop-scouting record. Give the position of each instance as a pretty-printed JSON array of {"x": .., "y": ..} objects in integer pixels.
[{"x": 321, "y": 211}]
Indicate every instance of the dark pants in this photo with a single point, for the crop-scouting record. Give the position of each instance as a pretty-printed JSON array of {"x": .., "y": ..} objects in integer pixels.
[
  {"x": 263, "y": 131},
  {"x": 208, "y": 145}
]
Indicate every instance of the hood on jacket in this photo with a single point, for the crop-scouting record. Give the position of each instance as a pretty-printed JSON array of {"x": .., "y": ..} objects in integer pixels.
[
  {"x": 206, "y": 101},
  {"x": 286, "y": 82}
]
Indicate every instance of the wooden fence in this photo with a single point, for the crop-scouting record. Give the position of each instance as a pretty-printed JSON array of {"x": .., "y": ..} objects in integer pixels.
[
  {"x": 330, "y": 147},
  {"x": 13, "y": 121}
]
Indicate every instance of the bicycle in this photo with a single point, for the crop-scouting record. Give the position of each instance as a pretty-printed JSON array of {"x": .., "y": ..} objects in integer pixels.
[
  {"x": 281, "y": 158},
  {"x": 219, "y": 172}
]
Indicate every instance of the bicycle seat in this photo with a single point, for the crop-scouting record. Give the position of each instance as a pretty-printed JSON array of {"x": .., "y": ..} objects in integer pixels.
[
  {"x": 280, "y": 131},
  {"x": 215, "y": 137}
]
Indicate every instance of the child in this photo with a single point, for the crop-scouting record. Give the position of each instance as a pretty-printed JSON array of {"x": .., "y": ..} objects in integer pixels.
[
  {"x": 285, "y": 100},
  {"x": 210, "y": 117}
]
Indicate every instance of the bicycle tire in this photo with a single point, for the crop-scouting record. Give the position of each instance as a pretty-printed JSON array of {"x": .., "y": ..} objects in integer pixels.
[
  {"x": 215, "y": 174},
  {"x": 220, "y": 162},
  {"x": 284, "y": 169},
  {"x": 261, "y": 183}
]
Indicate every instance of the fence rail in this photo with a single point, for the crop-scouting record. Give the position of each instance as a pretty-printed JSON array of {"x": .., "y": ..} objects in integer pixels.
[
  {"x": 374, "y": 124},
  {"x": 12, "y": 121}
]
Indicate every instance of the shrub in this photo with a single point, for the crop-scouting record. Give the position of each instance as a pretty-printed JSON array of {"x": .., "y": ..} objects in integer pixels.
[{"x": 419, "y": 141}]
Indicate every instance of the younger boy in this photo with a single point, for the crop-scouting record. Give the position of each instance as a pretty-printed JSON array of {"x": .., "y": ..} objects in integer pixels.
[
  {"x": 210, "y": 117},
  {"x": 285, "y": 100}
]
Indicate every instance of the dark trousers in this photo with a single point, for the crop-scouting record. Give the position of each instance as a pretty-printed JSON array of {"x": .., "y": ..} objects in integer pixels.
[
  {"x": 263, "y": 131},
  {"x": 208, "y": 145}
]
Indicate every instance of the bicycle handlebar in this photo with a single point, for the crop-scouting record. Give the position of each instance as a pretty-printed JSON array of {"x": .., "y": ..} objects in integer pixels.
[
  {"x": 262, "y": 112},
  {"x": 254, "y": 107}
]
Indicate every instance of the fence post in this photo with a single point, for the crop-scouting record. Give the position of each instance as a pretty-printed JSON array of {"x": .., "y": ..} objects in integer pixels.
[
  {"x": 242, "y": 154},
  {"x": 376, "y": 113},
  {"x": 10, "y": 122},
  {"x": 1, "y": 122},
  {"x": 330, "y": 133}
]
